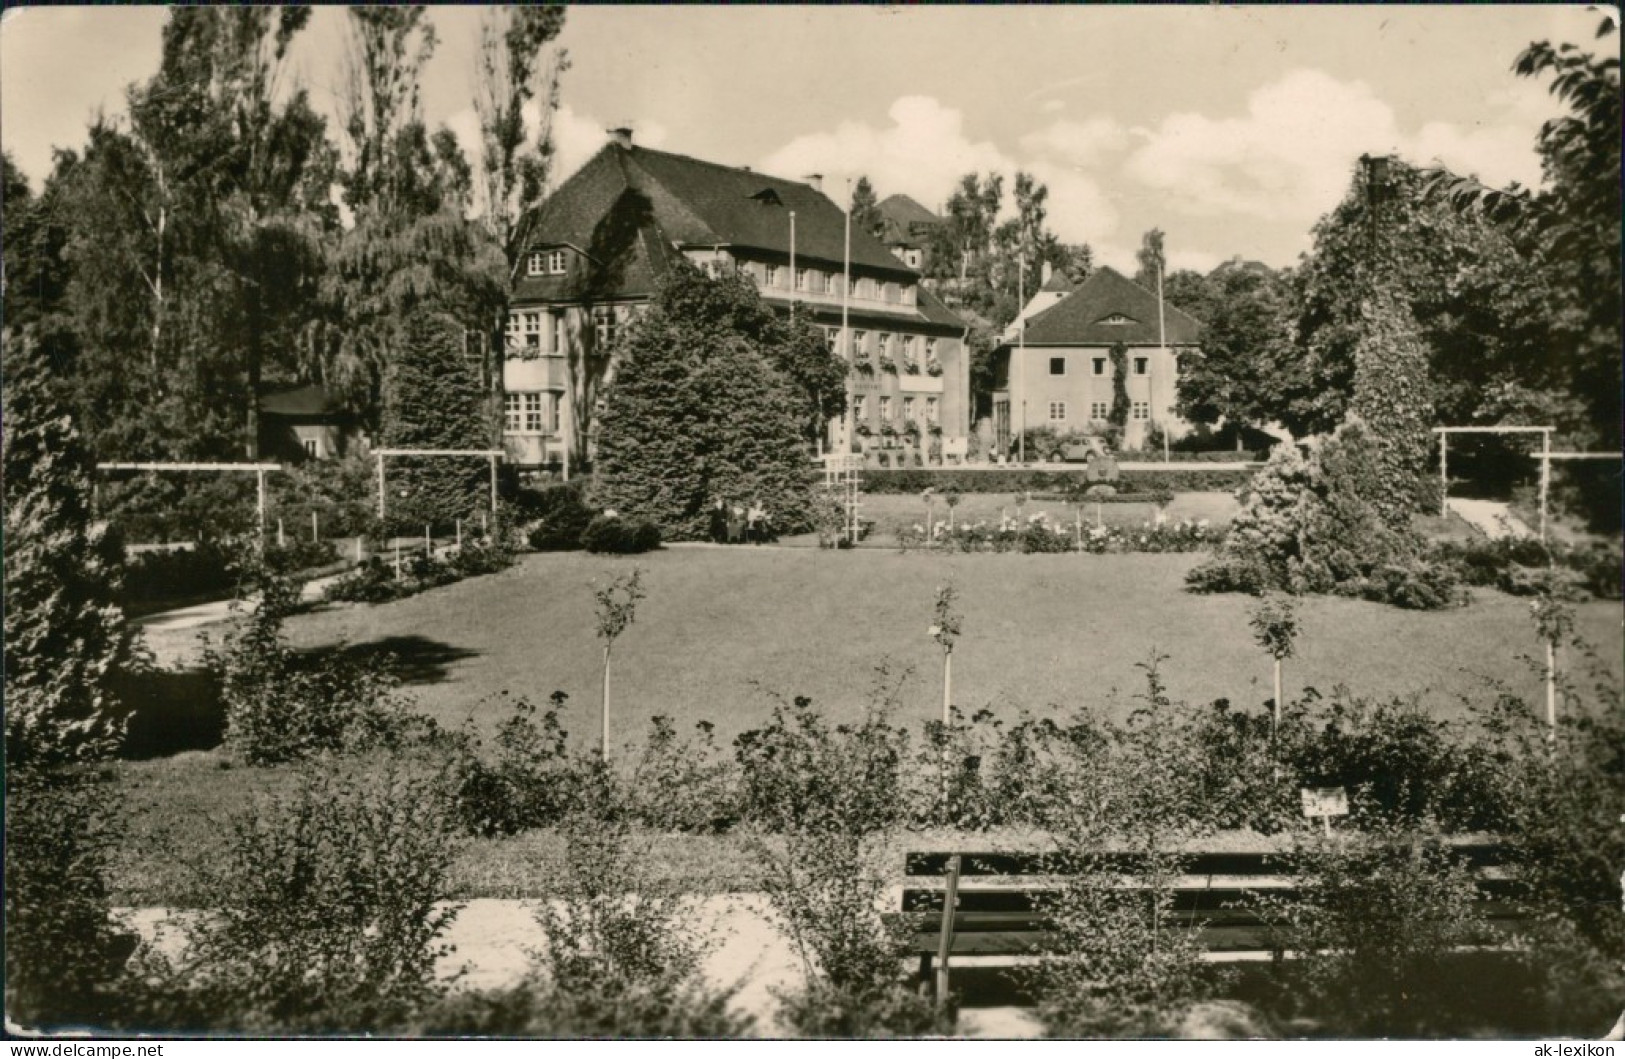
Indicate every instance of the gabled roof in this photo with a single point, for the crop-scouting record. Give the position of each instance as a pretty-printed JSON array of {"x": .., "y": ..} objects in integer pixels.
[
  {"x": 622, "y": 191},
  {"x": 1079, "y": 318},
  {"x": 904, "y": 211}
]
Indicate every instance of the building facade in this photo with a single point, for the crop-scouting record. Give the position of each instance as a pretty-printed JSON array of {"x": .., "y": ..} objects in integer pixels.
[
  {"x": 594, "y": 254},
  {"x": 1059, "y": 372}
]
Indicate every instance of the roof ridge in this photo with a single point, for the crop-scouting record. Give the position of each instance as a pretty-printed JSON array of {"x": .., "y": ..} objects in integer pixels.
[{"x": 719, "y": 165}]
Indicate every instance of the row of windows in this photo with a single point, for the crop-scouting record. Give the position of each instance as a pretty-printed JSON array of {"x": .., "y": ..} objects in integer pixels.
[
  {"x": 1100, "y": 411},
  {"x": 525, "y": 328},
  {"x": 860, "y": 408},
  {"x": 816, "y": 281},
  {"x": 530, "y": 412},
  {"x": 906, "y": 344},
  {"x": 1097, "y": 365}
]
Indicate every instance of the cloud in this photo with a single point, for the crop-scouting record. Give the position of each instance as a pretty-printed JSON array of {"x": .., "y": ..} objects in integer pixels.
[
  {"x": 923, "y": 152},
  {"x": 1078, "y": 142},
  {"x": 1290, "y": 156}
]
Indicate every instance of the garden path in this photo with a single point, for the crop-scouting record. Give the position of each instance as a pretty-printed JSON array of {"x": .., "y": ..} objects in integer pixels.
[
  {"x": 493, "y": 940},
  {"x": 1491, "y": 517}
]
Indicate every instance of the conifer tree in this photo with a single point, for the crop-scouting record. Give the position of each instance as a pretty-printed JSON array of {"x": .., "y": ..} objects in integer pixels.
[
  {"x": 65, "y": 637},
  {"x": 698, "y": 412},
  {"x": 434, "y": 400}
]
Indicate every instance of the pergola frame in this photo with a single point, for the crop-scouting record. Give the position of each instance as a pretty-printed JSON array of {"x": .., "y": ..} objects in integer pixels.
[
  {"x": 258, "y": 469},
  {"x": 491, "y": 454},
  {"x": 1545, "y": 456},
  {"x": 1444, "y": 461}
]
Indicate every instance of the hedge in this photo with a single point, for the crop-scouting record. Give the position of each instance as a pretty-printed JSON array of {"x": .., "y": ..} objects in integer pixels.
[{"x": 1021, "y": 480}]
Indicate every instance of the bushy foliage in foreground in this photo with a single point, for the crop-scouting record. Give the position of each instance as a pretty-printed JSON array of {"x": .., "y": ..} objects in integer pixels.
[
  {"x": 282, "y": 707},
  {"x": 63, "y": 947},
  {"x": 621, "y": 956},
  {"x": 326, "y": 913}
]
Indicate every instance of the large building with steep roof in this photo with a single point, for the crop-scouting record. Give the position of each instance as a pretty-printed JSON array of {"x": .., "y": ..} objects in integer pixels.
[
  {"x": 908, "y": 230},
  {"x": 596, "y": 250},
  {"x": 1059, "y": 373}
]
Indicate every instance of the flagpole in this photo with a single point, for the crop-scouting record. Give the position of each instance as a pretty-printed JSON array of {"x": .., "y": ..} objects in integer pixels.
[
  {"x": 1162, "y": 345},
  {"x": 1021, "y": 357},
  {"x": 848, "y": 426}
]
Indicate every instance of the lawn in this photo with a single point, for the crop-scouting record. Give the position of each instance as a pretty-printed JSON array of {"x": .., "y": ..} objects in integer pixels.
[{"x": 726, "y": 630}]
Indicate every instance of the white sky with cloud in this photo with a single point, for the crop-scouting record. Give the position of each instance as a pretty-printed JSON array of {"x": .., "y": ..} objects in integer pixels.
[{"x": 1231, "y": 128}]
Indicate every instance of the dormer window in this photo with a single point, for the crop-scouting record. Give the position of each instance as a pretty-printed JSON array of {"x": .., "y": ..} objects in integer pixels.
[
  {"x": 768, "y": 197},
  {"x": 555, "y": 262},
  {"x": 1116, "y": 318},
  {"x": 535, "y": 264}
]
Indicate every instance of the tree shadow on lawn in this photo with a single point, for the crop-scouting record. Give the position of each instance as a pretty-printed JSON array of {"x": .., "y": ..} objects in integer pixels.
[{"x": 411, "y": 659}]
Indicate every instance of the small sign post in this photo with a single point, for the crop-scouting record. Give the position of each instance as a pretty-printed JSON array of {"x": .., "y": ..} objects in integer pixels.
[{"x": 1325, "y": 802}]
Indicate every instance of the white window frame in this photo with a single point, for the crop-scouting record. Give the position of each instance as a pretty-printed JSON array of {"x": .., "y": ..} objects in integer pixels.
[
  {"x": 512, "y": 417},
  {"x": 1057, "y": 411},
  {"x": 555, "y": 262},
  {"x": 535, "y": 263},
  {"x": 535, "y": 422},
  {"x": 533, "y": 328},
  {"x": 804, "y": 279},
  {"x": 829, "y": 282},
  {"x": 883, "y": 343},
  {"x": 908, "y": 409},
  {"x": 1100, "y": 411},
  {"x": 885, "y": 409},
  {"x": 858, "y": 409},
  {"x": 931, "y": 410},
  {"x": 770, "y": 275},
  {"x": 1140, "y": 411},
  {"x": 859, "y": 338},
  {"x": 605, "y": 325}
]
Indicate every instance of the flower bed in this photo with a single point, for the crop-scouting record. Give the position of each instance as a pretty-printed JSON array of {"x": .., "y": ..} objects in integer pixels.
[
  {"x": 1137, "y": 485},
  {"x": 1042, "y": 534}
]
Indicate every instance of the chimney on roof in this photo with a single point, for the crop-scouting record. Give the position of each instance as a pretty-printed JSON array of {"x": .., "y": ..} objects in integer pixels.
[
  {"x": 816, "y": 180},
  {"x": 1048, "y": 271},
  {"x": 621, "y": 136}
]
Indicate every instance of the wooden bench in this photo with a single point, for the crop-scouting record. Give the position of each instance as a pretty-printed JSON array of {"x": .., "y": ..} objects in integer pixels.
[{"x": 998, "y": 898}]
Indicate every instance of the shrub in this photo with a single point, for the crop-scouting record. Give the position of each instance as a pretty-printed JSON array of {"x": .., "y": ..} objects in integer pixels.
[
  {"x": 1377, "y": 919},
  {"x": 620, "y": 959},
  {"x": 560, "y": 512},
  {"x": 210, "y": 568},
  {"x": 324, "y": 914},
  {"x": 1111, "y": 966},
  {"x": 1398, "y": 763},
  {"x": 63, "y": 947},
  {"x": 280, "y": 707},
  {"x": 610, "y": 534},
  {"x": 684, "y": 784},
  {"x": 1319, "y": 525},
  {"x": 832, "y": 794},
  {"x": 953, "y": 784},
  {"x": 531, "y": 780}
]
